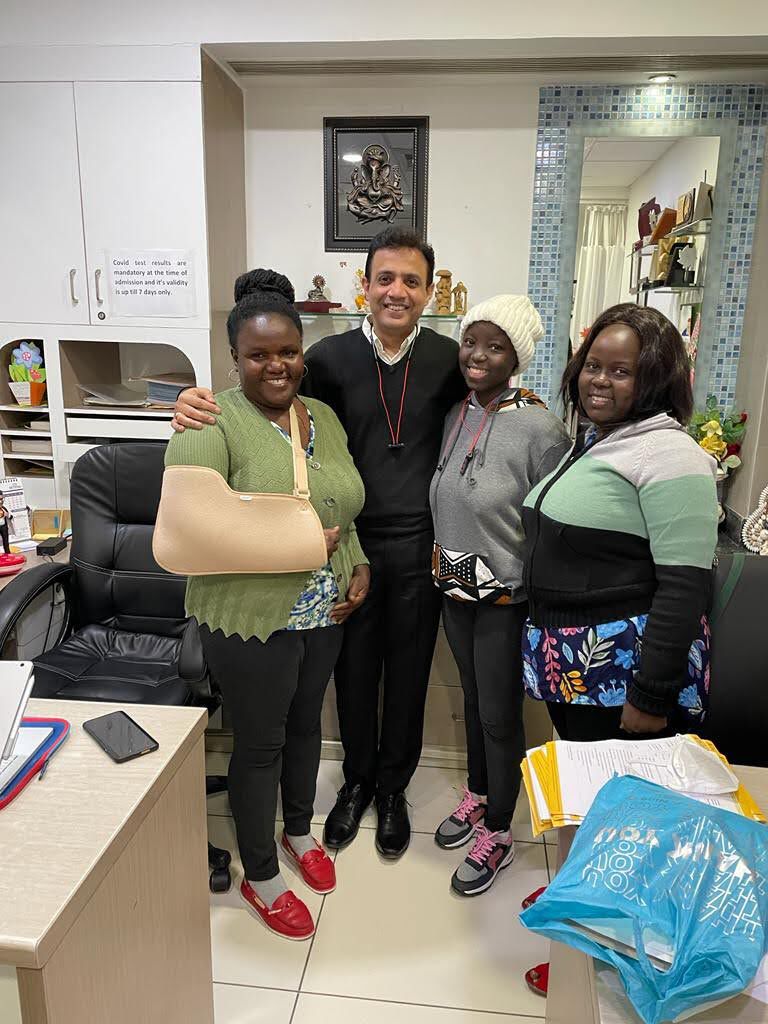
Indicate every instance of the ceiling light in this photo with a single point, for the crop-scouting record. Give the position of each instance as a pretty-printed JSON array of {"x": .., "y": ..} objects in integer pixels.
[
  {"x": 662, "y": 79},
  {"x": 352, "y": 158}
]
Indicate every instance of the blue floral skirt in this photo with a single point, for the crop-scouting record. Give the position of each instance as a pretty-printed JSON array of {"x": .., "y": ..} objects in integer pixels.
[{"x": 594, "y": 664}]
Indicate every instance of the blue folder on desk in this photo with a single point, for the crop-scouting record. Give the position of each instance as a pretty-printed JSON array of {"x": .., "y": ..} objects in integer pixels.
[{"x": 55, "y": 732}]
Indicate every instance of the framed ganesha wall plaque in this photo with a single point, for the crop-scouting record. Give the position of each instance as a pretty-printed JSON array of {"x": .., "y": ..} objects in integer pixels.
[{"x": 375, "y": 177}]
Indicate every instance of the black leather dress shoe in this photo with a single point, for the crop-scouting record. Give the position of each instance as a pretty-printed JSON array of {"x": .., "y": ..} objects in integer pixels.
[
  {"x": 393, "y": 832},
  {"x": 342, "y": 823}
]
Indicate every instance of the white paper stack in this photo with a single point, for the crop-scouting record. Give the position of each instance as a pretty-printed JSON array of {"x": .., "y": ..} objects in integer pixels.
[{"x": 562, "y": 779}]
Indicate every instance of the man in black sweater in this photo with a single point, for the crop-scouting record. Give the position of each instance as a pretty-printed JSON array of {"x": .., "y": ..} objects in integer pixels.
[{"x": 391, "y": 383}]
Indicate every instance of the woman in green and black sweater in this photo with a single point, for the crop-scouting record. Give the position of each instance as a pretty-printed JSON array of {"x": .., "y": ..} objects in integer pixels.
[
  {"x": 621, "y": 538},
  {"x": 271, "y": 640}
]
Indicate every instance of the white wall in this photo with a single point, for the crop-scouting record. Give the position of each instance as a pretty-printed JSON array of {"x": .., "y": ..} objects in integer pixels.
[
  {"x": 481, "y": 165},
  {"x": 37, "y": 22}
]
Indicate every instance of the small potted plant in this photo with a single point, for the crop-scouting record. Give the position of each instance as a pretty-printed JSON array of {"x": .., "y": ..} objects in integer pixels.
[
  {"x": 720, "y": 435},
  {"x": 27, "y": 374}
]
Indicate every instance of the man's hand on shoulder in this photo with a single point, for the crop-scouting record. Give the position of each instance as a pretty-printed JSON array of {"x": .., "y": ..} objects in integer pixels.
[{"x": 195, "y": 407}]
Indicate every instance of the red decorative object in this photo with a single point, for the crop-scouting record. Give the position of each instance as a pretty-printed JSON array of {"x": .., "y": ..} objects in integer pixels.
[
  {"x": 316, "y": 306},
  {"x": 11, "y": 564}
]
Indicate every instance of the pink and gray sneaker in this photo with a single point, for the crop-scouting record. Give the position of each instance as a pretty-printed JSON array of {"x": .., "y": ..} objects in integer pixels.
[
  {"x": 459, "y": 826},
  {"x": 491, "y": 852}
]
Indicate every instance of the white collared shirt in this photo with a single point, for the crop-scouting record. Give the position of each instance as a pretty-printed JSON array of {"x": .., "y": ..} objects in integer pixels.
[{"x": 383, "y": 355}]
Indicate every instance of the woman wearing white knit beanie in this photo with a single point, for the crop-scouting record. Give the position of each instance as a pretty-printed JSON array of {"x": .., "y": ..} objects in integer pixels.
[{"x": 497, "y": 444}]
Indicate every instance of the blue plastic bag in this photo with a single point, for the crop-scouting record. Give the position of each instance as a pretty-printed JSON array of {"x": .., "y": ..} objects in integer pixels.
[{"x": 662, "y": 869}]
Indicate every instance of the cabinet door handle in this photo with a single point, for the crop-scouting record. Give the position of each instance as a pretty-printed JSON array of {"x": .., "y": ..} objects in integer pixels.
[
  {"x": 72, "y": 272},
  {"x": 456, "y": 717},
  {"x": 97, "y": 280}
]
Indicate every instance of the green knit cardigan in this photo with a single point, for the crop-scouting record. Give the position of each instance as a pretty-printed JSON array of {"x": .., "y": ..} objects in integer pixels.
[{"x": 250, "y": 454}]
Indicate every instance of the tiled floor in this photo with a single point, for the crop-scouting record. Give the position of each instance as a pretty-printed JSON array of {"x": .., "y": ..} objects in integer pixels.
[{"x": 392, "y": 942}]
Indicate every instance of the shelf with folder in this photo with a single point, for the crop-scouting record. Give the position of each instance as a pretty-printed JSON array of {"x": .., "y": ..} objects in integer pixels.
[
  {"x": 105, "y": 387},
  {"x": 28, "y": 466}
]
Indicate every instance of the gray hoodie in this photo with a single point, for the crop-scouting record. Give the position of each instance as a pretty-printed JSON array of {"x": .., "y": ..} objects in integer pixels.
[{"x": 478, "y": 512}]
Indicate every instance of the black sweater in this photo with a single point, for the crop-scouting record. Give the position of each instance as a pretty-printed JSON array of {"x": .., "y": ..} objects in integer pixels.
[{"x": 341, "y": 371}]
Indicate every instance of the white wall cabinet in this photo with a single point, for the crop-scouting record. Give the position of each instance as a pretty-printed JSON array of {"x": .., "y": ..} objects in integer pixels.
[
  {"x": 42, "y": 255},
  {"x": 91, "y": 169},
  {"x": 141, "y": 171}
]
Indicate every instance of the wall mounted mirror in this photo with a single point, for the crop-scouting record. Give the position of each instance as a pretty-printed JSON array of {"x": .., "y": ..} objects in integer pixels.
[
  {"x": 721, "y": 129},
  {"x": 643, "y": 231},
  {"x": 670, "y": 248}
]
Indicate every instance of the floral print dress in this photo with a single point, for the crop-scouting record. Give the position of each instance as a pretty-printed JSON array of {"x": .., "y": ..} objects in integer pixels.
[
  {"x": 315, "y": 603},
  {"x": 594, "y": 665}
]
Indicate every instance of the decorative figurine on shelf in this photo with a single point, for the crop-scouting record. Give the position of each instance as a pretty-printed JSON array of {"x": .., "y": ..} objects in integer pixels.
[
  {"x": 316, "y": 301},
  {"x": 361, "y": 303},
  {"x": 9, "y": 563},
  {"x": 317, "y": 294},
  {"x": 377, "y": 192},
  {"x": 27, "y": 374},
  {"x": 443, "y": 293},
  {"x": 460, "y": 299},
  {"x": 754, "y": 533}
]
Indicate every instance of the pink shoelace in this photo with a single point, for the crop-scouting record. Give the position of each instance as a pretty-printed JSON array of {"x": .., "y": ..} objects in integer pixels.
[
  {"x": 467, "y": 805},
  {"x": 484, "y": 844}
]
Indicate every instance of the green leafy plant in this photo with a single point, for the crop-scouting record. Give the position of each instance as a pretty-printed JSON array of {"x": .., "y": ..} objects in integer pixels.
[{"x": 720, "y": 434}]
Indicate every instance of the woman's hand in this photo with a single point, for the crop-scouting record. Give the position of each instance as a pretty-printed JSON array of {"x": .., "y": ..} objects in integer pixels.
[
  {"x": 332, "y": 540},
  {"x": 635, "y": 721},
  {"x": 194, "y": 408},
  {"x": 357, "y": 592}
]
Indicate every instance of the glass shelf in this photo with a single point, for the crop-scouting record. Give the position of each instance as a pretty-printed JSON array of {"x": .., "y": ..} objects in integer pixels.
[
  {"x": 668, "y": 289},
  {"x": 337, "y": 314},
  {"x": 696, "y": 227}
]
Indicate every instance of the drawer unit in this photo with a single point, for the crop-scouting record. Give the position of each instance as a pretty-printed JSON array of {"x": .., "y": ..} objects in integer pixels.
[{"x": 104, "y": 426}]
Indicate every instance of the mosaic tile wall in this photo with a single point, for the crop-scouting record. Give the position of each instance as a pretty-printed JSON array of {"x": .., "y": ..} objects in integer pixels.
[{"x": 560, "y": 108}]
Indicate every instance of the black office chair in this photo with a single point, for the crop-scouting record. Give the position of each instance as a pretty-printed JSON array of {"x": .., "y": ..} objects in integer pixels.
[
  {"x": 124, "y": 635},
  {"x": 737, "y": 722}
]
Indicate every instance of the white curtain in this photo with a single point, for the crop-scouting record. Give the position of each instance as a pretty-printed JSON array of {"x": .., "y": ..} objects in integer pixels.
[{"x": 600, "y": 265}]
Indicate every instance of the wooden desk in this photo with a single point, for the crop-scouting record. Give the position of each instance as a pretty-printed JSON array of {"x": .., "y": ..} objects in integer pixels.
[
  {"x": 103, "y": 878},
  {"x": 583, "y": 992}
]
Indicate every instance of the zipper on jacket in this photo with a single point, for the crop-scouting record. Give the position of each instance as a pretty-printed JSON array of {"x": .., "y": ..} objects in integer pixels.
[{"x": 570, "y": 461}]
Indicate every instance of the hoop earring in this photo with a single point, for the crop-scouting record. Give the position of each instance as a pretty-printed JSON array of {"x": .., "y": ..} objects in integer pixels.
[
  {"x": 304, "y": 372},
  {"x": 230, "y": 374}
]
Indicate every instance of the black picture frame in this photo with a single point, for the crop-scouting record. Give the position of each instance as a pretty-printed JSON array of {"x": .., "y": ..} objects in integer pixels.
[{"x": 406, "y": 140}]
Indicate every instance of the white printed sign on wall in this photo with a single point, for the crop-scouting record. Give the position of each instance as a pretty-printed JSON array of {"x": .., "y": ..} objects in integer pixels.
[{"x": 151, "y": 282}]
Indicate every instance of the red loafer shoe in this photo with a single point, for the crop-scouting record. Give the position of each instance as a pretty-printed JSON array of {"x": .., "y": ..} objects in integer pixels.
[
  {"x": 316, "y": 867},
  {"x": 530, "y": 900},
  {"x": 538, "y": 979},
  {"x": 287, "y": 916}
]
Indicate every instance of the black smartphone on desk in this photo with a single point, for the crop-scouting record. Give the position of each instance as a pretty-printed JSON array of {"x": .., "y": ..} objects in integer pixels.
[{"x": 121, "y": 737}]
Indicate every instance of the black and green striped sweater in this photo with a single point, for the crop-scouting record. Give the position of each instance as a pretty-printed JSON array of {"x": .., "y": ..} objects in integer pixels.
[{"x": 628, "y": 526}]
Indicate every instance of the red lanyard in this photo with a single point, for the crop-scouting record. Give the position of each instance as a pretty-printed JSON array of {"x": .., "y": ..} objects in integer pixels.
[
  {"x": 395, "y": 444},
  {"x": 461, "y": 423}
]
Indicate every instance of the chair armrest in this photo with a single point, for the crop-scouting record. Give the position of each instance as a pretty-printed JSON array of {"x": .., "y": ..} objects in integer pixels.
[
  {"x": 192, "y": 666},
  {"x": 16, "y": 597}
]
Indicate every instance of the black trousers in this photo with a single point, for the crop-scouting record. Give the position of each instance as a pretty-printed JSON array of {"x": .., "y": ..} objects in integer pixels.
[
  {"x": 4, "y": 536},
  {"x": 486, "y": 643},
  {"x": 583, "y": 723},
  {"x": 274, "y": 692},
  {"x": 395, "y": 629}
]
